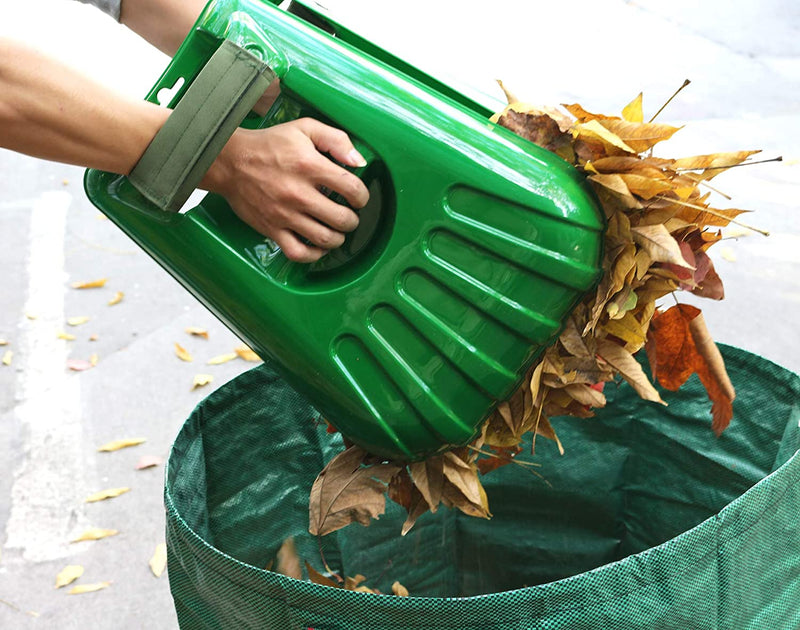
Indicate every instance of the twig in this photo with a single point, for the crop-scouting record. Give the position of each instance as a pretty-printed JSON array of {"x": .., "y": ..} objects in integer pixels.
[
  {"x": 509, "y": 459},
  {"x": 325, "y": 562},
  {"x": 716, "y": 168},
  {"x": 669, "y": 100}
]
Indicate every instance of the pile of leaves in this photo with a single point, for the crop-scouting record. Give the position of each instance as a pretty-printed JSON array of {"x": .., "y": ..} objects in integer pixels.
[{"x": 661, "y": 225}]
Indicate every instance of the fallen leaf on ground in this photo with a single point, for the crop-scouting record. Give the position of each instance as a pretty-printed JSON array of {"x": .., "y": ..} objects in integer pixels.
[
  {"x": 246, "y": 353},
  {"x": 93, "y": 337},
  {"x": 148, "y": 461},
  {"x": 222, "y": 358},
  {"x": 31, "y": 316},
  {"x": 88, "y": 588},
  {"x": 201, "y": 380},
  {"x": 159, "y": 560},
  {"x": 77, "y": 321},
  {"x": 197, "y": 332},
  {"x": 90, "y": 284},
  {"x": 182, "y": 353},
  {"x": 116, "y": 299},
  {"x": 68, "y": 574},
  {"x": 102, "y": 495},
  {"x": 65, "y": 336},
  {"x": 93, "y": 359},
  {"x": 118, "y": 444},
  {"x": 3, "y": 342},
  {"x": 8, "y": 356},
  {"x": 95, "y": 533},
  {"x": 79, "y": 365}
]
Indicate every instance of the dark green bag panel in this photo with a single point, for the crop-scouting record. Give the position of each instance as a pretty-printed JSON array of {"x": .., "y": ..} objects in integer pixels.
[{"x": 649, "y": 521}]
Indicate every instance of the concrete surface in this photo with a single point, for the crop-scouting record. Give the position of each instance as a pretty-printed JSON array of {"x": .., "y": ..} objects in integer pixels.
[{"x": 743, "y": 58}]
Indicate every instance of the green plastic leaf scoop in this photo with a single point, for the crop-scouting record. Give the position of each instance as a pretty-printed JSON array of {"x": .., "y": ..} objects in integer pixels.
[{"x": 467, "y": 261}]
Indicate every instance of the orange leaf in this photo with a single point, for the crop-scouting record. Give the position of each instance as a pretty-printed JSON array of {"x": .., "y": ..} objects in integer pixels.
[
  {"x": 182, "y": 353},
  {"x": 247, "y": 354},
  {"x": 91, "y": 284}
]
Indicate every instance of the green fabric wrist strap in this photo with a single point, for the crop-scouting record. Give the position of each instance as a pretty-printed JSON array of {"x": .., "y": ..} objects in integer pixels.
[{"x": 216, "y": 102}]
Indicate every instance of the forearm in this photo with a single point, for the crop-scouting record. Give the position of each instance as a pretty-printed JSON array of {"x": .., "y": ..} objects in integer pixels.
[
  {"x": 50, "y": 111},
  {"x": 163, "y": 23}
]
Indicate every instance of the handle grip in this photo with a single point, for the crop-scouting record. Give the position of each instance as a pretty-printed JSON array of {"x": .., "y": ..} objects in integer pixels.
[{"x": 214, "y": 105}]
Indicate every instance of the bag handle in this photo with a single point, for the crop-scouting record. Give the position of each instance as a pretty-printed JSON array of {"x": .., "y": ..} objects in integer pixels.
[{"x": 214, "y": 105}]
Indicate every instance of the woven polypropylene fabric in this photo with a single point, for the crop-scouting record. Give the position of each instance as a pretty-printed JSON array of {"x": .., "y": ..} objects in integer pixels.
[{"x": 649, "y": 521}]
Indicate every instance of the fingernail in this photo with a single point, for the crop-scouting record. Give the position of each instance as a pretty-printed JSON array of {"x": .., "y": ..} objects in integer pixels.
[{"x": 356, "y": 159}]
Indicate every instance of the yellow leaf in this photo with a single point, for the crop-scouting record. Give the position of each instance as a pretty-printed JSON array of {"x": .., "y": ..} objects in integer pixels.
[
  {"x": 90, "y": 284},
  {"x": 617, "y": 185},
  {"x": 201, "y": 380},
  {"x": 593, "y": 129},
  {"x": 222, "y": 358},
  {"x": 68, "y": 574},
  {"x": 247, "y": 354},
  {"x": 399, "y": 590},
  {"x": 77, "y": 321},
  {"x": 713, "y": 164},
  {"x": 8, "y": 355},
  {"x": 3, "y": 342},
  {"x": 182, "y": 353},
  {"x": 632, "y": 112},
  {"x": 118, "y": 444},
  {"x": 95, "y": 533},
  {"x": 93, "y": 359},
  {"x": 31, "y": 316},
  {"x": 626, "y": 328},
  {"x": 66, "y": 336},
  {"x": 660, "y": 244},
  {"x": 645, "y": 187},
  {"x": 88, "y": 588},
  {"x": 116, "y": 299},
  {"x": 159, "y": 560},
  {"x": 110, "y": 493},
  {"x": 638, "y": 136},
  {"x": 197, "y": 332}
]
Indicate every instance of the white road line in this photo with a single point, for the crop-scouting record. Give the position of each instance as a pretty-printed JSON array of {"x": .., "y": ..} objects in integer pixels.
[{"x": 46, "y": 494}]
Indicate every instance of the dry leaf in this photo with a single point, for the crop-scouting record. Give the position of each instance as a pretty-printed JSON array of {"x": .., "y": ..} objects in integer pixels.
[
  {"x": 659, "y": 244},
  {"x": 288, "y": 561},
  {"x": 201, "y": 380},
  {"x": 91, "y": 284},
  {"x": 197, "y": 332},
  {"x": 3, "y": 342},
  {"x": 65, "y": 336},
  {"x": 88, "y": 588},
  {"x": 93, "y": 337},
  {"x": 159, "y": 560},
  {"x": 399, "y": 590},
  {"x": 629, "y": 368},
  {"x": 148, "y": 461},
  {"x": 116, "y": 299},
  {"x": 118, "y": 444},
  {"x": 222, "y": 358},
  {"x": 77, "y": 321},
  {"x": 317, "y": 578},
  {"x": 632, "y": 112},
  {"x": 79, "y": 365},
  {"x": 346, "y": 491},
  {"x": 182, "y": 353},
  {"x": 68, "y": 575},
  {"x": 95, "y": 533},
  {"x": 246, "y": 353},
  {"x": 93, "y": 359},
  {"x": 102, "y": 495},
  {"x": 8, "y": 356}
]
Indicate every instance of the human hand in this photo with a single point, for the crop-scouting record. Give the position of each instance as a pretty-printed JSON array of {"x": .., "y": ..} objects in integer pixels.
[{"x": 272, "y": 179}]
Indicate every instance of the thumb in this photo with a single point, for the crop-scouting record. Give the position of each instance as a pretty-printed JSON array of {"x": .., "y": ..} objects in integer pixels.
[{"x": 333, "y": 141}]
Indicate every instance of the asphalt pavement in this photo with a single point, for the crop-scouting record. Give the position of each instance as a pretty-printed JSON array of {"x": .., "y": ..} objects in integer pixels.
[{"x": 743, "y": 58}]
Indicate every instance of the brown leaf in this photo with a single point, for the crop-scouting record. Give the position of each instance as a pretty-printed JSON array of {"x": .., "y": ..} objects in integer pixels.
[
  {"x": 639, "y": 137},
  {"x": 463, "y": 489},
  {"x": 197, "y": 332},
  {"x": 581, "y": 114},
  {"x": 599, "y": 131},
  {"x": 317, "y": 578},
  {"x": 345, "y": 491},
  {"x": 713, "y": 164},
  {"x": 629, "y": 368},
  {"x": 148, "y": 461},
  {"x": 79, "y": 365},
  {"x": 417, "y": 507},
  {"x": 288, "y": 560},
  {"x": 247, "y": 354},
  {"x": 428, "y": 477},
  {"x": 659, "y": 244},
  {"x": 399, "y": 590},
  {"x": 713, "y": 375}
]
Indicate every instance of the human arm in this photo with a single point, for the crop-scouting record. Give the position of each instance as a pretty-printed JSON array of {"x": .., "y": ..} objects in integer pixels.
[{"x": 271, "y": 177}]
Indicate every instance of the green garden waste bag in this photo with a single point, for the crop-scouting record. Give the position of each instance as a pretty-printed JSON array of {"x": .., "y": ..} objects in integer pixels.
[{"x": 648, "y": 521}]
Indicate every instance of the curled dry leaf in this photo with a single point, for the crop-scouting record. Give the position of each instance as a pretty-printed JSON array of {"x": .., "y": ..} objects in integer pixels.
[
  {"x": 197, "y": 332},
  {"x": 3, "y": 342},
  {"x": 95, "y": 533},
  {"x": 78, "y": 320},
  {"x": 109, "y": 493},
  {"x": 116, "y": 445},
  {"x": 68, "y": 575},
  {"x": 246, "y": 353},
  {"x": 182, "y": 353},
  {"x": 158, "y": 562},
  {"x": 222, "y": 358},
  {"x": 399, "y": 590},
  {"x": 8, "y": 357},
  {"x": 148, "y": 461},
  {"x": 90, "y": 284},
  {"x": 201, "y": 380},
  {"x": 88, "y": 588},
  {"x": 116, "y": 299},
  {"x": 65, "y": 336}
]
